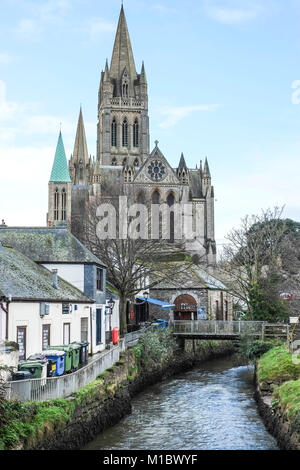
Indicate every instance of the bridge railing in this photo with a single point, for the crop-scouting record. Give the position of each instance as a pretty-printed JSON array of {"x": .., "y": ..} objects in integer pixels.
[{"x": 218, "y": 328}]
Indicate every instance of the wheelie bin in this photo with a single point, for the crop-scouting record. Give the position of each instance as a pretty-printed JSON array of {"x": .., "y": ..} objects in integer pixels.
[
  {"x": 21, "y": 375},
  {"x": 84, "y": 351},
  {"x": 56, "y": 358},
  {"x": 76, "y": 355},
  {"x": 68, "y": 357},
  {"x": 115, "y": 335},
  {"x": 41, "y": 358}
]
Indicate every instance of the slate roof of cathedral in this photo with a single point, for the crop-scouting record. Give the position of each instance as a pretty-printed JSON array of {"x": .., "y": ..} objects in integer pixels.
[
  {"x": 60, "y": 170},
  {"x": 191, "y": 276},
  {"x": 24, "y": 279},
  {"x": 48, "y": 245}
]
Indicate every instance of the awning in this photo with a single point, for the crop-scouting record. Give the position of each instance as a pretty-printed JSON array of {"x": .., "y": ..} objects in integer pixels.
[{"x": 160, "y": 303}]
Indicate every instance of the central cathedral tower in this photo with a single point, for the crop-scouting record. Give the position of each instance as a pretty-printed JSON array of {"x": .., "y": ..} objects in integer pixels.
[{"x": 123, "y": 122}]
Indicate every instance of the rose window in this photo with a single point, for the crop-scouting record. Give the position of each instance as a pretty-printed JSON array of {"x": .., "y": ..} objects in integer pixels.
[{"x": 156, "y": 170}]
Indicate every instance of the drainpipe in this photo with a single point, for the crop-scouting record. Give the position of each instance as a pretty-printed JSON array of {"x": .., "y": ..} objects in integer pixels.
[{"x": 91, "y": 328}]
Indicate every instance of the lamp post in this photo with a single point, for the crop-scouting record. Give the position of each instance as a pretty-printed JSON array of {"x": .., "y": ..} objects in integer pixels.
[
  {"x": 111, "y": 304},
  {"x": 146, "y": 296}
]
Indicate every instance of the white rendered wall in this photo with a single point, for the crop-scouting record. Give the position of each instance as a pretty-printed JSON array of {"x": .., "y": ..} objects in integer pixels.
[{"x": 28, "y": 314}]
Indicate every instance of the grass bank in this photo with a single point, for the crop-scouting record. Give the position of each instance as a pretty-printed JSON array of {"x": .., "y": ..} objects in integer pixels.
[
  {"x": 278, "y": 393},
  {"x": 72, "y": 422}
]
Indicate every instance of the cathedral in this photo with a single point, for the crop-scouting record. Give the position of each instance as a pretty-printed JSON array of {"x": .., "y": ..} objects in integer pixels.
[{"x": 124, "y": 163}]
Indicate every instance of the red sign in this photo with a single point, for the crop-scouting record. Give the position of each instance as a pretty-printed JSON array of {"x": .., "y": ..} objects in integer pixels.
[{"x": 131, "y": 314}]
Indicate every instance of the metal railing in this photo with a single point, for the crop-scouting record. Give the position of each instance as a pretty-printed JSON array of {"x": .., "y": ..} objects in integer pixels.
[
  {"x": 226, "y": 328},
  {"x": 63, "y": 386}
]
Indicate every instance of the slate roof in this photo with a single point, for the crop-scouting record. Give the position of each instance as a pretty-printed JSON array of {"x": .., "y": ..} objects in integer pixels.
[
  {"x": 48, "y": 245},
  {"x": 60, "y": 170},
  {"x": 23, "y": 279},
  {"x": 191, "y": 277}
]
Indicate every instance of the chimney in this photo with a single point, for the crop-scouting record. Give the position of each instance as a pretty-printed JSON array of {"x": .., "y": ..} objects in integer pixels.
[{"x": 54, "y": 278}]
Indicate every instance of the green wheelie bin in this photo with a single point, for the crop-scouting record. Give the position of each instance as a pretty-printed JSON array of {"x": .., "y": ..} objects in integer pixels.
[
  {"x": 69, "y": 355},
  {"x": 76, "y": 348}
]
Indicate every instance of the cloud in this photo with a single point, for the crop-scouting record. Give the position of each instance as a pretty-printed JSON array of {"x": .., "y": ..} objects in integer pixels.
[
  {"x": 163, "y": 9},
  {"x": 97, "y": 26},
  {"x": 229, "y": 13},
  {"x": 19, "y": 119},
  {"x": 28, "y": 28},
  {"x": 5, "y": 58},
  {"x": 176, "y": 114}
]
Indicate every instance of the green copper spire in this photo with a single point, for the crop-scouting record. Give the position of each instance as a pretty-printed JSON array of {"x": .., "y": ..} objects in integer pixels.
[{"x": 60, "y": 171}]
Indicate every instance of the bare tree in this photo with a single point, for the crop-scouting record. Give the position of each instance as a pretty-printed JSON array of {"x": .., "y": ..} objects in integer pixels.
[
  {"x": 252, "y": 263},
  {"x": 133, "y": 264}
]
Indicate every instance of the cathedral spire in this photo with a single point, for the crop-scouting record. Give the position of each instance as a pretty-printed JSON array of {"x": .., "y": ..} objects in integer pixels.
[
  {"x": 122, "y": 56},
  {"x": 60, "y": 171},
  {"x": 80, "y": 152},
  {"x": 143, "y": 79}
]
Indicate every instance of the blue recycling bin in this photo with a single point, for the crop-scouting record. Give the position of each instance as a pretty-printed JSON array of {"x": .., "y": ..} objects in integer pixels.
[
  {"x": 162, "y": 323},
  {"x": 58, "y": 357}
]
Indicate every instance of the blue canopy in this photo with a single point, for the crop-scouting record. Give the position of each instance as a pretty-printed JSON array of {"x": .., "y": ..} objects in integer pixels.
[{"x": 160, "y": 303}]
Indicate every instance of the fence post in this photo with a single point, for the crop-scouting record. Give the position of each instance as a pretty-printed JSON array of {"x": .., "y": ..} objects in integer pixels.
[{"x": 263, "y": 332}]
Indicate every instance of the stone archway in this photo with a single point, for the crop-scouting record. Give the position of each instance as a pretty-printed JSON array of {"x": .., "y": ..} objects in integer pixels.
[{"x": 185, "y": 308}]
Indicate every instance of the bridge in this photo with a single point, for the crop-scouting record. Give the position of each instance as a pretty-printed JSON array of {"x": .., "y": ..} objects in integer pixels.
[{"x": 230, "y": 330}]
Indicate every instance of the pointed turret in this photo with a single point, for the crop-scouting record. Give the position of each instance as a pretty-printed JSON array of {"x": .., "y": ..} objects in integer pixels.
[
  {"x": 206, "y": 169},
  {"x": 60, "y": 171},
  {"x": 80, "y": 154},
  {"x": 122, "y": 57},
  {"x": 182, "y": 164},
  {"x": 143, "y": 78},
  {"x": 106, "y": 76}
]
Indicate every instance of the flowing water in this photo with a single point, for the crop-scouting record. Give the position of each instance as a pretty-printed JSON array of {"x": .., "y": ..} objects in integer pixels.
[{"x": 209, "y": 408}]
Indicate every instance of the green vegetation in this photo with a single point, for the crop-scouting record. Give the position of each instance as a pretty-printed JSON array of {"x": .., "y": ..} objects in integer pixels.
[
  {"x": 288, "y": 396},
  {"x": 277, "y": 366},
  {"x": 253, "y": 349},
  {"x": 155, "y": 348}
]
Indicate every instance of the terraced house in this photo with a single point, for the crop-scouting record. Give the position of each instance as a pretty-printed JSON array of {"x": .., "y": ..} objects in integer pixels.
[{"x": 55, "y": 249}]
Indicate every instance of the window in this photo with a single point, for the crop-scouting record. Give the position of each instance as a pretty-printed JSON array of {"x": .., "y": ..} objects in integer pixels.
[
  {"x": 21, "y": 340},
  {"x": 125, "y": 133},
  {"x": 136, "y": 163},
  {"x": 155, "y": 197},
  {"x": 63, "y": 205},
  {"x": 99, "y": 279},
  {"x": 114, "y": 133},
  {"x": 136, "y": 133},
  {"x": 66, "y": 308},
  {"x": 170, "y": 202},
  {"x": 66, "y": 333},
  {"x": 45, "y": 336},
  {"x": 114, "y": 162},
  {"x": 84, "y": 327},
  {"x": 56, "y": 204},
  {"x": 98, "y": 325}
]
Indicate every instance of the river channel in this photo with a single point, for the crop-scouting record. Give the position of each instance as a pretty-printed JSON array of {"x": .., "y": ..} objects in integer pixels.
[{"x": 208, "y": 408}]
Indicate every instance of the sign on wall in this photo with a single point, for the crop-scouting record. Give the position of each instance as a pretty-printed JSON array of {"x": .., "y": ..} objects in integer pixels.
[{"x": 201, "y": 313}]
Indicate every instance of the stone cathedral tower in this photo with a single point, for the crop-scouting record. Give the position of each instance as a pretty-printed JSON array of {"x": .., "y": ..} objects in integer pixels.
[{"x": 124, "y": 163}]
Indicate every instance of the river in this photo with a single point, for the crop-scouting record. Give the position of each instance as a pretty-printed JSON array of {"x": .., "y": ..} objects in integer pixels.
[{"x": 208, "y": 408}]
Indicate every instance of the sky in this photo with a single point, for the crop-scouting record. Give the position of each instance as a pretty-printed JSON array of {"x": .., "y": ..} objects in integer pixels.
[{"x": 223, "y": 81}]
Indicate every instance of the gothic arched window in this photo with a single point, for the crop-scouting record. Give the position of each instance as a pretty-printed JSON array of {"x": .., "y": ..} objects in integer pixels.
[
  {"x": 56, "y": 204},
  {"x": 136, "y": 163},
  {"x": 136, "y": 133},
  {"x": 171, "y": 202},
  {"x": 155, "y": 197},
  {"x": 63, "y": 205},
  {"x": 114, "y": 133},
  {"x": 125, "y": 133},
  {"x": 125, "y": 84},
  {"x": 114, "y": 162}
]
